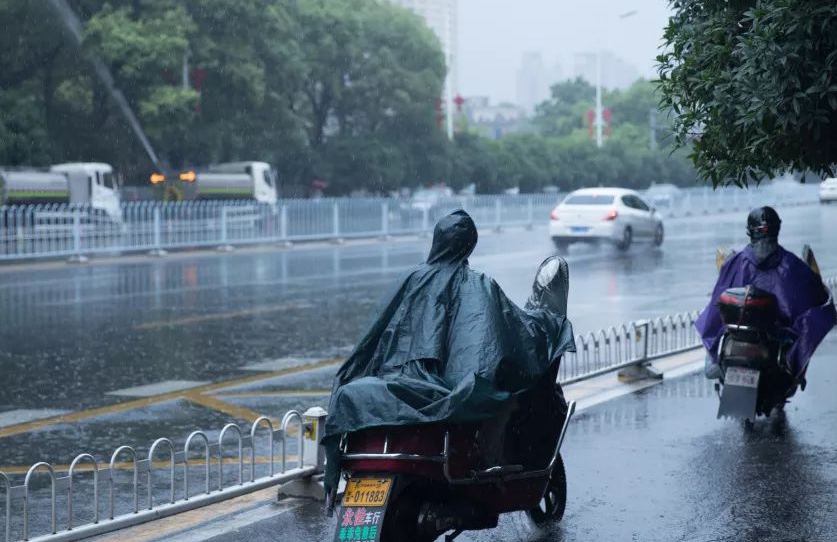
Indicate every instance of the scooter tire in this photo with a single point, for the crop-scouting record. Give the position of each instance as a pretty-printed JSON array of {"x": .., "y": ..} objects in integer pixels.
[
  {"x": 554, "y": 501},
  {"x": 402, "y": 519}
]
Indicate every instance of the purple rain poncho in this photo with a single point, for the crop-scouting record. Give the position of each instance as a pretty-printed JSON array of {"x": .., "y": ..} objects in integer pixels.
[{"x": 805, "y": 306}]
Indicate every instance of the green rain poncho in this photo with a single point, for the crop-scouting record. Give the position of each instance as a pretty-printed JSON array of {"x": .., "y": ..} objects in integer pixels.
[{"x": 446, "y": 346}]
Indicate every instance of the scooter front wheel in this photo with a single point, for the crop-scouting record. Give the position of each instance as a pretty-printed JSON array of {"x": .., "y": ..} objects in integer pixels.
[{"x": 554, "y": 501}]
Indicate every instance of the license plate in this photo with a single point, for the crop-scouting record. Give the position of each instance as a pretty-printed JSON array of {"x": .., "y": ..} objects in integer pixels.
[
  {"x": 736, "y": 376},
  {"x": 367, "y": 491},
  {"x": 361, "y": 517},
  {"x": 579, "y": 229}
]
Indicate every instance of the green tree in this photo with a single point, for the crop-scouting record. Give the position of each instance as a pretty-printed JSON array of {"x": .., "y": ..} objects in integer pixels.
[
  {"x": 373, "y": 72},
  {"x": 566, "y": 108},
  {"x": 752, "y": 85}
]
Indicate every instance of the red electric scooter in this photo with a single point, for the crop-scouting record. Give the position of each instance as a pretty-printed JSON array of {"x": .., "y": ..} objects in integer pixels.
[{"x": 414, "y": 484}]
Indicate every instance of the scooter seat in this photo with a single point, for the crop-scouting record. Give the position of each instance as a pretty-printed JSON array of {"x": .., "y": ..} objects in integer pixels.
[{"x": 496, "y": 472}]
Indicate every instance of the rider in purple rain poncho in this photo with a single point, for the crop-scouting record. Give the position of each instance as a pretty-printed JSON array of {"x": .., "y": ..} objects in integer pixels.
[{"x": 805, "y": 305}]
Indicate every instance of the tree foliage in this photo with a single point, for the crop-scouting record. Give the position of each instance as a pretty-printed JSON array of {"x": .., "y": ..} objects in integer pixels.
[
  {"x": 340, "y": 90},
  {"x": 753, "y": 87},
  {"x": 562, "y": 153},
  {"x": 315, "y": 87}
]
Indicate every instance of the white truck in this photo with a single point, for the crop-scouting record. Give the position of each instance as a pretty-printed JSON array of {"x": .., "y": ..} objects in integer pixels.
[
  {"x": 91, "y": 183},
  {"x": 235, "y": 180}
]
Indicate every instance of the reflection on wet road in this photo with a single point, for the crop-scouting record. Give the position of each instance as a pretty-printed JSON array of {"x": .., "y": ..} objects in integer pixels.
[{"x": 76, "y": 338}]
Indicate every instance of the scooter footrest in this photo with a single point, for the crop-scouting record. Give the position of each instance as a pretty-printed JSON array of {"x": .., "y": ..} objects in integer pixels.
[{"x": 497, "y": 472}]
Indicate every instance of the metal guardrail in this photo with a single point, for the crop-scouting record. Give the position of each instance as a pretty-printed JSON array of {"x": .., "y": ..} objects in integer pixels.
[
  {"x": 62, "y": 488},
  {"x": 61, "y": 230},
  {"x": 629, "y": 344}
]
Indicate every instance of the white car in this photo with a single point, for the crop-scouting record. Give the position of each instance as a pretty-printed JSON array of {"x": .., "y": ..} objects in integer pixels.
[
  {"x": 828, "y": 191},
  {"x": 612, "y": 215},
  {"x": 663, "y": 196}
]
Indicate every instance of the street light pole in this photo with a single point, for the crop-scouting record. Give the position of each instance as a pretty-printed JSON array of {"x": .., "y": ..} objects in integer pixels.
[
  {"x": 449, "y": 77},
  {"x": 599, "y": 113}
]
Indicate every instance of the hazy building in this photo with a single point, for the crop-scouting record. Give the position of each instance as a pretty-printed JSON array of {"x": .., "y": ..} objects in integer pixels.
[
  {"x": 556, "y": 75},
  {"x": 532, "y": 82},
  {"x": 494, "y": 121},
  {"x": 442, "y": 17},
  {"x": 616, "y": 73}
]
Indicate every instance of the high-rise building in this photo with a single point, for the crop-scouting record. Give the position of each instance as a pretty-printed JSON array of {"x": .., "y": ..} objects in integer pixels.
[
  {"x": 532, "y": 82},
  {"x": 442, "y": 17},
  {"x": 616, "y": 73}
]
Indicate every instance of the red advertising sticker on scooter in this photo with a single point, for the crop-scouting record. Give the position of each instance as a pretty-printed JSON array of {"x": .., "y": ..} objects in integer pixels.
[{"x": 362, "y": 513}]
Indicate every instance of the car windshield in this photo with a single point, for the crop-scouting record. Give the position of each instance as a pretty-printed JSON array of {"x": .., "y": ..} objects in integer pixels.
[{"x": 589, "y": 199}]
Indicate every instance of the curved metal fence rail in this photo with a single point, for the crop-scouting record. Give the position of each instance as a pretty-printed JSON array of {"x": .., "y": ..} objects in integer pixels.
[
  {"x": 101, "y": 494},
  {"x": 69, "y": 230},
  {"x": 639, "y": 342}
]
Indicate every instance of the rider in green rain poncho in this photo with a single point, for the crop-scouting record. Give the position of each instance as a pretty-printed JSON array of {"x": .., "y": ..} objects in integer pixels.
[{"x": 446, "y": 346}]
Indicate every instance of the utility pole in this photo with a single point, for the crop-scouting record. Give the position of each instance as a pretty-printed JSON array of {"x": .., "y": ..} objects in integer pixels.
[
  {"x": 185, "y": 74},
  {"x": 599, "y": 121},
  {"x": 449, "y": 76},
  {"x": 652, "y": 125}
]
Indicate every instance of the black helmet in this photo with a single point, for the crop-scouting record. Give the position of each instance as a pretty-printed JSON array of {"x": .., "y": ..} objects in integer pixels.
[{"x": 763, "y": 223}]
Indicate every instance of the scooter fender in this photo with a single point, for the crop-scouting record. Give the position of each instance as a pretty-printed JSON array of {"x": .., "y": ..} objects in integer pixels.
[{"x": 738, "y": 401}]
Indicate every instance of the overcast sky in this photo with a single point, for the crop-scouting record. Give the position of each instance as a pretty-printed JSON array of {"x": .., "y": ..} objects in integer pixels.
[{"x": 494, "y": 34}]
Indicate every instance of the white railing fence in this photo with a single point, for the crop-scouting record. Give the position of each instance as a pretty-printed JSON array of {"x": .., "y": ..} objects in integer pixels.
[
  {"x": 174, "y": 479},
  {"x": 62, "y": 230}
]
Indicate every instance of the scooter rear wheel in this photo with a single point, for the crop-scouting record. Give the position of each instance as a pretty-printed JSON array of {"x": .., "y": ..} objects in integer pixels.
[
  {"x": 401, "y": 523},
  {"x": 554, "y": 502}
]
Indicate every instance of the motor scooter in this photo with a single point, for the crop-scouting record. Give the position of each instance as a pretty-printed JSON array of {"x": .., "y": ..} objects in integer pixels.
[
  {"x": 416, "y": 483},
  {"x": 755, "y": 377}
]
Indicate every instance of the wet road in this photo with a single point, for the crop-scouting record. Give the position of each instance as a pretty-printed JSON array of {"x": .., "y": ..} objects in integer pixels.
[
  {"x": 76, "y": 338},
  {"x": 658, "y": 466}
]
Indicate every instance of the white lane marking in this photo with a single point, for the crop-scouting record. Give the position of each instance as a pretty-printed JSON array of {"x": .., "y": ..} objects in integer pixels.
[
  {"x": 158, "y": 388},
  {"x": 227, "y": 524},
  {"x": 280, "y": 364},
  {"x": 24, "y": 415}
]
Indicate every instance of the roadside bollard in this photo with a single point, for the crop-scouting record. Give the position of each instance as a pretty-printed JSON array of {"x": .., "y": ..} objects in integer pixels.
[
  {"x": 314, "y": 423},
  {"x": 313, "y": 455},
  {"x": 642, "y": 369},
  {"x": 225, "y": 246},
  {"x": 77, "y": 256},
  {"x": 157, "y": 251}
]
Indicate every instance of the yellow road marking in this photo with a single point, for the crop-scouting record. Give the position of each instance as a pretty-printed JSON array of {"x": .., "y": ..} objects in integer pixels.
[
  {"x": 147, "y": 401},
  {"x": 221, "y": 315},
  {"x": 227, "y": 408},
  {"x": 280, "y": 393},
  {"x": 195, "y": 460}
]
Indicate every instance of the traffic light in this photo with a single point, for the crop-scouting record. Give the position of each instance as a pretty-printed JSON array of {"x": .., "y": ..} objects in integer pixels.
[
  {"x": 188, "y": 176},
  {"x": 157, "y": 178}
]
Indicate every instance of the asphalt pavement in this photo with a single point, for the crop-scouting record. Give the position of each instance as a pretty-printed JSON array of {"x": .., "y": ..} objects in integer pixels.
[
  {"x": 657, "y": 466},
  {"x": 113, "y": 347},
  {"x": 123, "y": 352}
]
